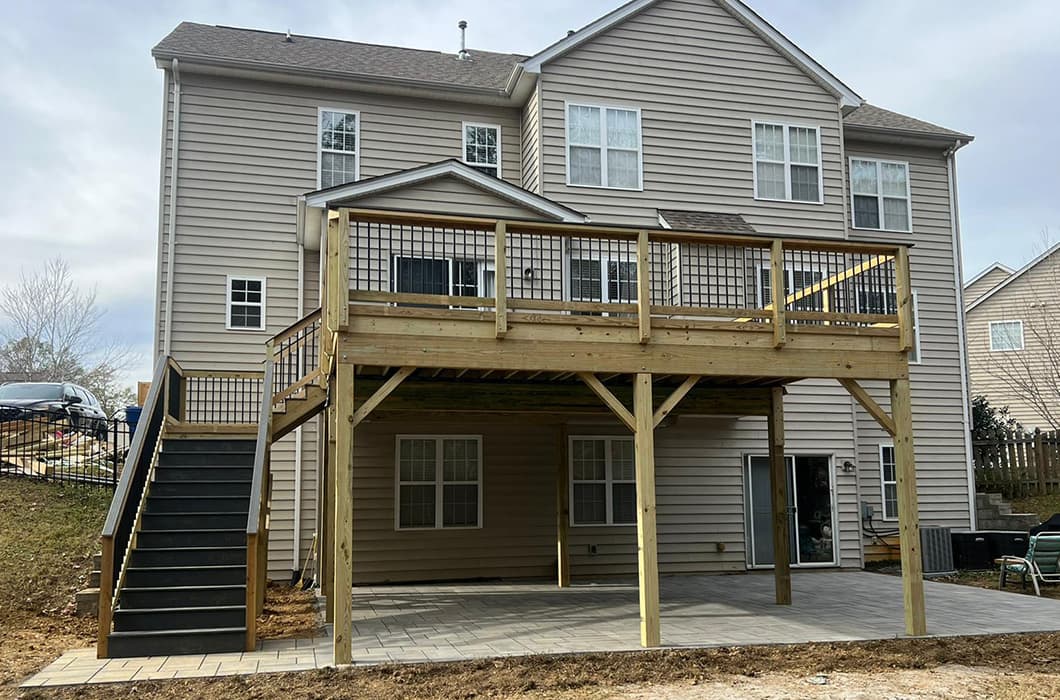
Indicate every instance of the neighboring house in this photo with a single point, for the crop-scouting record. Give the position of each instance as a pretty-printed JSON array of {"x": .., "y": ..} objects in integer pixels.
[
  {"x": 1013, "y": 330},
  {"x": 650, "y": 182}
]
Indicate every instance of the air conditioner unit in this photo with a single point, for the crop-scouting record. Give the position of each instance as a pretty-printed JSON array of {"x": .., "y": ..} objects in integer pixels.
[{"x": 936, "y": 546}]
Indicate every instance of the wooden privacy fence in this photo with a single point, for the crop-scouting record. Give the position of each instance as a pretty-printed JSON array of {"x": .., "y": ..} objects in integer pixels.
[{"x": 1018, "y": 464}]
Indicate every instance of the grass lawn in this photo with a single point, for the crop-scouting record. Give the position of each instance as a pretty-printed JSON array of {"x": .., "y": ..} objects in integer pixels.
[{"x": 1043, "y": 506}]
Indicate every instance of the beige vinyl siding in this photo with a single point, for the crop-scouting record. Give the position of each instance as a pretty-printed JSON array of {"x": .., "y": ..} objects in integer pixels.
[
  {"x": 531, "y": 142},
  {"x": 446, "y": 196},
  {"x": 699, "y": 77},
  {"x": 1031, "y": 299},
  {"x": 938, "y": 408},
  {"x": 984, "y": 284}
]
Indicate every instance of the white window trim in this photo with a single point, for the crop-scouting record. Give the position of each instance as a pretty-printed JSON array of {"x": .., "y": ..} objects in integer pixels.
[
  {"x": 884, "y": 481},
  {"x": 998, "y": 323},
  {"x": 228, "y": 303},
  {"x": 357, "y": 139},
  {"x": 438, "y": 482},
  {"x": 603, "y": 107},
  {"x": 787, "y": 160},
  {"x": 463, "y": 146},
  {"x": 879, "y": 193},
  {"x": 604, "y": 261},
  {"x": 916, "y": 328},
  {"x": 609, "y": 481},
  {"x": 481, "y": 268}
]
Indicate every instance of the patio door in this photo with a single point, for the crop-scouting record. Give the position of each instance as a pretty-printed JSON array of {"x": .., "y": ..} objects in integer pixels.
[{"x": 811, "y": 509}]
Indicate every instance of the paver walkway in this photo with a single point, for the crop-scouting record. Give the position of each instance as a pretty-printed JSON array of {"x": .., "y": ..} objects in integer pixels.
[{"x": 451, "y": 622}]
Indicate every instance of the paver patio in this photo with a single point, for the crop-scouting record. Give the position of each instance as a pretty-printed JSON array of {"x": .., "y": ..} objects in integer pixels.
[{"x": 451, "y": 622}]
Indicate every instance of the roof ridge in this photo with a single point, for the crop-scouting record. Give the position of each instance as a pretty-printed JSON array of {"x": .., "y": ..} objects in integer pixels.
[{"x": 1016, "y": 275}]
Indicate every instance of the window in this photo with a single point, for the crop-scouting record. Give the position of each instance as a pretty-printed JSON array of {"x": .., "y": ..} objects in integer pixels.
[
  {"x": 439, "y": 482},
  {"x": 603, "y": 280},
  {"x": 879, "y": 190},
  {"x": 1006, "y": 336},
  {"x": 482, "y": 147},
  {"x": 246, "y": 303},
  {"x": 794, "y": 281},
  {"x": 340, "y": 148},
  {"x": 464, "y": 278},
  {"x": 603, "y": 147},
  {"x": 889, "y": 481},
  {"x": 603, "y": 481},
  {"x": 787, "y": 162}
]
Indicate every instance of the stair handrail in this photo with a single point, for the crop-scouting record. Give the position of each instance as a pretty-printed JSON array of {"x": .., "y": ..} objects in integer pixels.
[
  {"x": 257, "y": 532},
  {"x": 296, "y": 364},
  {"x": 128, "y": 496}
]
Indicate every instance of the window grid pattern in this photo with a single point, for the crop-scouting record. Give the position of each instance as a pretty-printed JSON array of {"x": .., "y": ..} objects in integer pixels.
[
  {"x": 439, "y": 482},
  {"x": 603, "y": 146},
  {"x": 889, "y": 482},
  {"x": 787, "y": 162},
  {"x": 246, "y": 303},
  {"x": 338, "y": 148},
  {"x": 603, "y": 481},
  {"x": 482, "y": 148},
  {"x": 1006, "y": 336}
]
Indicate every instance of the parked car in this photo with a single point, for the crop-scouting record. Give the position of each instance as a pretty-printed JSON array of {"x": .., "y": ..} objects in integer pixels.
[{"x": 57, "y": 399}]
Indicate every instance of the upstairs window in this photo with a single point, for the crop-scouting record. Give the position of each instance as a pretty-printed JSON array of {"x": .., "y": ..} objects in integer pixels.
[
  {"x": 603, "y": 481},
  {"x": 787, "y": 162},
  {"x": 1006, "y": 336},
  {"x": 339, "y": 147},
  {"x": 603, "y": 147},
  {"x": 246, "y": 303},
  {"x": 482, "y": 147},
  {"x": 879, "y": 190}
]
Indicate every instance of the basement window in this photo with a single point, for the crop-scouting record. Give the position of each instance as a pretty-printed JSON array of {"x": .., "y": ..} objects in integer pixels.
[
  {"x": 439, "y": 482},
  {"x": 603, "y": 487},
  {"x": 246, "y": 303}
]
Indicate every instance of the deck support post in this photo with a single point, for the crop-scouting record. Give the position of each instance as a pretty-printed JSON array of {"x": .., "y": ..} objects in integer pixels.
[
  {"x": 908, "y": 511},
  {"x": 328, "y": 518},
  {"x": 778, "y": 483},
  {"x": 647, "y": 549},
  {"x": 563, "y": 511},
  {"x": 342, "y": 560}
]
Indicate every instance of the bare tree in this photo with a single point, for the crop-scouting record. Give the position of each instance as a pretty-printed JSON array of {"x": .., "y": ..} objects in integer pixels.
[{"x": 51, "y": 331}]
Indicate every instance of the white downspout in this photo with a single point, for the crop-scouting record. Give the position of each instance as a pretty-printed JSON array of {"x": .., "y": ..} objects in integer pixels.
[
  {"x": 296, "y": 548},
  {"x": 171, "y": 235},
  {"x": 958, "y": 277}
]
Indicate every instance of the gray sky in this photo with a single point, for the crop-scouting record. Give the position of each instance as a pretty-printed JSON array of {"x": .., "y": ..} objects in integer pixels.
[{"x": 80, "y": 108}]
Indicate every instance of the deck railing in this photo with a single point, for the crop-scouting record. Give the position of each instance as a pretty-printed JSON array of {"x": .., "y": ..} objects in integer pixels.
[
  {"x": 212, "y": 397},
  {"x": 633, "y": 277}
]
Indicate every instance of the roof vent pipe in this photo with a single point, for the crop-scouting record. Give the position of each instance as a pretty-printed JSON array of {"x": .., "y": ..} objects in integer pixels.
[
  {"x": 289, "y": 39},
  {"x": 463, "y": 55}
]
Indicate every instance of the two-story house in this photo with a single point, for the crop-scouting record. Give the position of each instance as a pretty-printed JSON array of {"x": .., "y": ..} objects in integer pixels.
[
  {"x": 666, "y": 297},
  {"x": 1013, "y": 337}
]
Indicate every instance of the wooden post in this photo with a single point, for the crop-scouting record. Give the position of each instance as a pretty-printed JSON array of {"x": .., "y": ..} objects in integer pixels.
[
  {"x": 342, "y": 270},
  {"x": 647, "y": 551},
  {"x": 778, "y": 483},
  {"x": 904, "y": 291},
  {"x": 327, "y": 539},
  {"x": 1039, "y": 462},
  {"x": 780, "y": 294},
  {"x": 500, "y": 277},
  {"x": 342, "y": 561},
  {"x": 644, "y": 286},
  {"x": 106, "y": 594},
  {"x": 908, "y": 512},
  {"x": 563, "y": 510}
]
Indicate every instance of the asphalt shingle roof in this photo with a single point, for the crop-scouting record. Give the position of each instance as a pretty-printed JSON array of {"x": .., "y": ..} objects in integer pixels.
[
  {"x": 878, "y": 118},
  {"x": 684, "y": 220},
  {"x": 483, "y": 70}
]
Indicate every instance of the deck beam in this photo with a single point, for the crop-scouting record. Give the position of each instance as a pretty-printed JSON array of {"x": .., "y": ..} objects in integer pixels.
[
  {"x": 778, "y": 486},
  {"x": 647, "y": 544}
]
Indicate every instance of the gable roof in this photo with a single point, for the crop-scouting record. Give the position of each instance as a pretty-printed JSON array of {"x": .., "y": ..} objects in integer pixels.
[
  {"x": 847, "y": 97},
  {"x": 254, "y": 48},
  {"x": 876, "y": 118},
  {"x": 996, "y": 266},
  {"x": 1015, "y": 276},
  {"x": 706, "y": 221},
  {"x": 445, "y": 168}
]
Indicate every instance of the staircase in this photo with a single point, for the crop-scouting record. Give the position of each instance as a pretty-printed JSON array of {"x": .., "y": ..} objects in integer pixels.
[
  {"x": 185, "y": 583},
  {"x": 994, "y": 513}
]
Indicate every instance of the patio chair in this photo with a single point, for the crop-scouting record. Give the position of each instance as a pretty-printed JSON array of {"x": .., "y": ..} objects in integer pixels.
[{"x": 1041, "y": 565}]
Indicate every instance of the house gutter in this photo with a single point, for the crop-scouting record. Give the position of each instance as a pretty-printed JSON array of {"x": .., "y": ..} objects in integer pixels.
[
  {"x": 958, "y": 267},
  {"x": 296, "y": 547},
  {"x": 171, "y": 235}
]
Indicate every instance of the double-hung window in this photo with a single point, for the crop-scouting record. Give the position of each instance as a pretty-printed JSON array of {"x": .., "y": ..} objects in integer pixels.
[
  {"x": 879, "y": 190},
  {"x": 603, "y": 481},
  {"x": 603, "y": 146},
  {"x": 796, "y": 282},
  {"x": 439, "y": 482},
  {"x": 246, "y": 303},
  {"x": 482, "y": 147},
  {"x": 889, "y": 482},
  {"x": 340, "y": 148},
  {"x": 1006, "y": 336},
  {"x": 787, "y": 160},
  {"x": 603, "y": 280}
]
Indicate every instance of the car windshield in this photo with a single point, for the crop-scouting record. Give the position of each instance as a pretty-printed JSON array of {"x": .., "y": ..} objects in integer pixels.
[{"x": 41, "y": 392}]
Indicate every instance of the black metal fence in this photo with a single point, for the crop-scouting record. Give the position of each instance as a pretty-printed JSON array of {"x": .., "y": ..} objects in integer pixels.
[{"x": 63, "y": 447}]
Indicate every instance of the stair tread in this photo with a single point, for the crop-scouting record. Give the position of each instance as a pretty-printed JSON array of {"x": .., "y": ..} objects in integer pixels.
[
  {"x": 198, "y": 513},
  {"x": 214, "y": 587},
  {"x": 200, "y": 608},
  {"x": 186, "y": 549},
  {"x": 177, "y": 633},
  {"x": 189, "y": 566},
  {"x": 196, "y": 497}
]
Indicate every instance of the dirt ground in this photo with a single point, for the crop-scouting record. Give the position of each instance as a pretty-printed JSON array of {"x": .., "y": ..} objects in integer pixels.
[
  {"x": 288, "y": 613},
  {"x": 1003, "y": 666}
]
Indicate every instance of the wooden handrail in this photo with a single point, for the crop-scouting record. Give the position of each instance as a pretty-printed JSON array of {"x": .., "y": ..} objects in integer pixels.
[
  {"x": 117, "y": 529},
  {"x": 298, "y": 325},
  {"x": 256, "y": 532}
]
